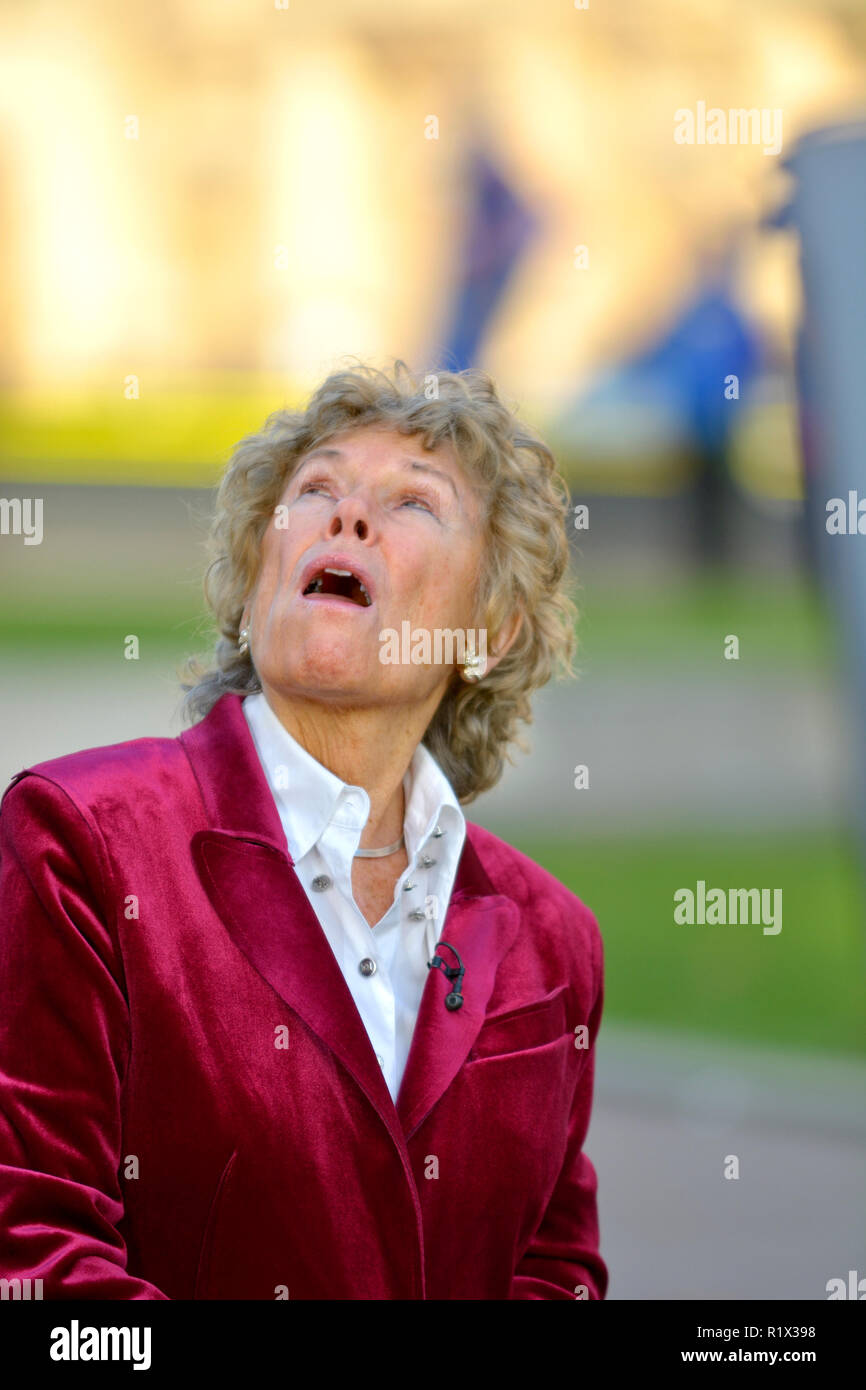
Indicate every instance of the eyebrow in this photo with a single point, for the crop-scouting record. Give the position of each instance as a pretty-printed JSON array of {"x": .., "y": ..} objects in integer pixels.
[{"x": 325, "y": 452}]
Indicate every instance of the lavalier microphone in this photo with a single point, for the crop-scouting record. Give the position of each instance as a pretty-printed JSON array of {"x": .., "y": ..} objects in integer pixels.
[{"x": 455, "y": 973}]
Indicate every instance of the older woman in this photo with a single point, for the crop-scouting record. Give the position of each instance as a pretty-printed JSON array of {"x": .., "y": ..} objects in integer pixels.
[{"x": 278, "y": 1022}]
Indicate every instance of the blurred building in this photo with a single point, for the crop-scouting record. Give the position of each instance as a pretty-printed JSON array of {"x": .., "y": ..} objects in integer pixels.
[{"x": 224, "y": 200}]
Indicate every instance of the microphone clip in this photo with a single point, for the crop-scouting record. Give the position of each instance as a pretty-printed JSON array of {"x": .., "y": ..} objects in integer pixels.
[{"x": 453, "y": 973}]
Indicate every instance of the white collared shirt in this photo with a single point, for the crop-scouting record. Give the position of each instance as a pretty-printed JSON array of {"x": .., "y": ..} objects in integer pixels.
[{"x": 323, "y": 819}]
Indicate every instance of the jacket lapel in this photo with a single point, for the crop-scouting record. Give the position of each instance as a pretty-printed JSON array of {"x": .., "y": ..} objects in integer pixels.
[
  {"x": 481, "y": 925},
  {"x": 248, "y": 875},
  {"x": 255, "y": 890}
]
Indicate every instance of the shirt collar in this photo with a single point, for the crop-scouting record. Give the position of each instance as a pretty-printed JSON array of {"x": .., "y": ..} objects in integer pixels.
[{"x": 310, "y": 797}]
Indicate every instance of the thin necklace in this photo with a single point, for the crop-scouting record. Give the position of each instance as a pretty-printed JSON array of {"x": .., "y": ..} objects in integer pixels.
[{"x": 379, "y": 853}]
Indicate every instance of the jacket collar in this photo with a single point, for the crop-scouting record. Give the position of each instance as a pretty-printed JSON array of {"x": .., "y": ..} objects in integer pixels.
[{"x": 243, "y": 864}]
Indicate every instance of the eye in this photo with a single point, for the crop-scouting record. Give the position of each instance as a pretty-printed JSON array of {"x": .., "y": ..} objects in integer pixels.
[
  {"x": 417, "y": 501},
  {"x": 414, "y": 499}
]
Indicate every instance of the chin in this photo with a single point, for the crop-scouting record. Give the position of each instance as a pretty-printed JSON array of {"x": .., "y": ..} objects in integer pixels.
[{"x": 324, "y": 674}]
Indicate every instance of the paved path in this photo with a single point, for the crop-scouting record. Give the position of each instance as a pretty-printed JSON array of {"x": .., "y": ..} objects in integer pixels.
[
  {"x": 664, "y": 751},
  {"x": 680, "y": 750},
  {"x": 668, "y": 1110}
]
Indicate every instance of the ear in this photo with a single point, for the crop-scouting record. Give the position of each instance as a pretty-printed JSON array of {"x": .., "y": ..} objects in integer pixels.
[{"x": 505, "y": 639}]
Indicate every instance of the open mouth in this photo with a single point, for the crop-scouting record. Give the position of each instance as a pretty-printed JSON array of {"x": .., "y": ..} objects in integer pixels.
[{"x": 338, "y": 584}]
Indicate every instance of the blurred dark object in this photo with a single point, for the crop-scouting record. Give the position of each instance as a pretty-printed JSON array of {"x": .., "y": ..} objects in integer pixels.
[
  {"x": 498, "y": 229},
  {"x": 685, "y": 390},
  {"x": 709, "y": 354}
]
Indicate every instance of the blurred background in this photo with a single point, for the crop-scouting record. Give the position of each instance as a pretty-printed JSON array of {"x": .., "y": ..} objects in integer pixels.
[{"x": 648, "y": 222}]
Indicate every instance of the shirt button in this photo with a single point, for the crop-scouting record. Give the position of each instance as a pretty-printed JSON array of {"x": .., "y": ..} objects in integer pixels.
[
  {"x": 417, "y": 914},
  {"x": 367, "y": 966},
  {"x": 380, "y": 1060},
  {"x": 427, "y": 862},
  {"x": 320, "y": 883}
]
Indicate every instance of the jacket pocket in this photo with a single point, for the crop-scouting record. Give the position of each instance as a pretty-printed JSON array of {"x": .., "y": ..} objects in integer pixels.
[
  {"x": 533, "y": 1025},
  {"x": 204, "y": 1260}
]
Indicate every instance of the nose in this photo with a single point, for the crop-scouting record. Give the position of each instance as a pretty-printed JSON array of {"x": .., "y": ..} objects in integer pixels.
[{"x": 351, "y": 515}]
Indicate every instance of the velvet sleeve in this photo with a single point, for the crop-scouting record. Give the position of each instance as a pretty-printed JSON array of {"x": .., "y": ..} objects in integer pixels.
[
  {"x": 563, "y": 1259},
  {"x": 64, "y": 1050}
]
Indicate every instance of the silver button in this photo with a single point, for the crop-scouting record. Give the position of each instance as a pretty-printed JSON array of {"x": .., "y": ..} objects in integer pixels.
[
  {"x": 367, "y": 966},
  {"x": 427, "y": 862},
  {"x": 417, "y": 914},
  {"x": 407, "y": 886},
  {"x": 437, "y": 832},
  {"x": 321, "y": 882}
]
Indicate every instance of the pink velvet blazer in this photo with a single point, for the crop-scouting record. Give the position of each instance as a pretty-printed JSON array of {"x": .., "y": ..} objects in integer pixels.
[{"x": 190, "y": 1107}]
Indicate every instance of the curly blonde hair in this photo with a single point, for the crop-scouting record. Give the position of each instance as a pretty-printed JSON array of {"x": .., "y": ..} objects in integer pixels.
[{"x": 524, "y": 503}]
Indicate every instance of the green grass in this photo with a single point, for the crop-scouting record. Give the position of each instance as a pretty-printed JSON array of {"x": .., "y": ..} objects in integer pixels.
[
  {"x": 803, "y": 988},
  {"x": 778, "y": 622},
  {"x": 65, "y": 628}
]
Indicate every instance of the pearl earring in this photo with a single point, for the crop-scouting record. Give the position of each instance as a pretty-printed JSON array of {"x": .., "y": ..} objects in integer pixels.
[
  {"x": 473, "y": 668},
  {"x": 244, "y": 640}
]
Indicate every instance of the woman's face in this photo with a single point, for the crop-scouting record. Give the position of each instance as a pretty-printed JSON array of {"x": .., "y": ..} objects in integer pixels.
[{"x": 403, "y": 520}]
